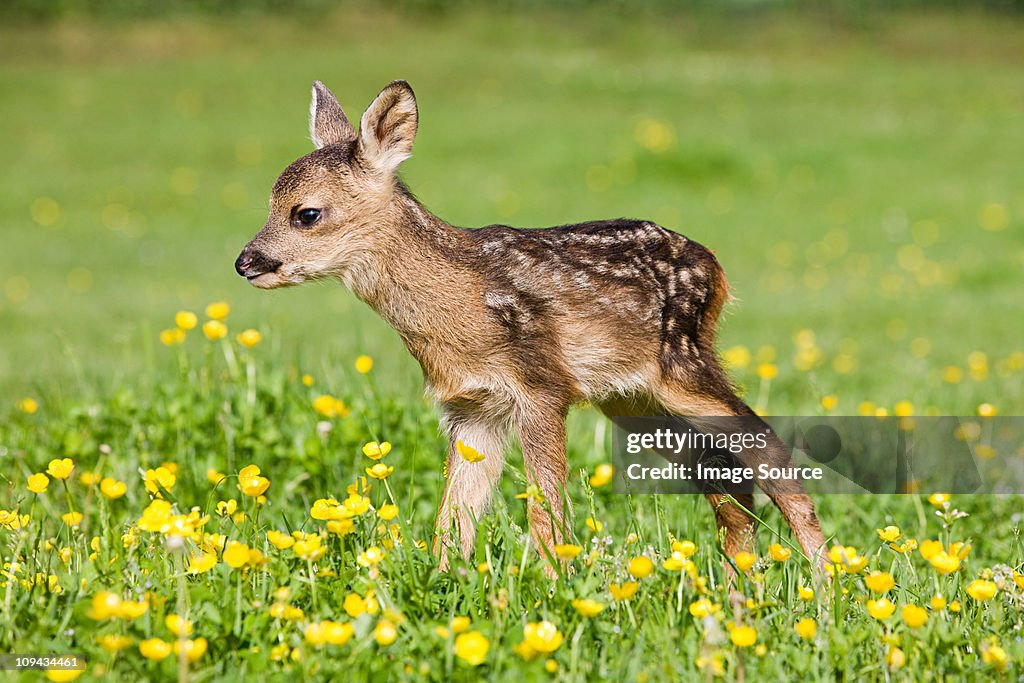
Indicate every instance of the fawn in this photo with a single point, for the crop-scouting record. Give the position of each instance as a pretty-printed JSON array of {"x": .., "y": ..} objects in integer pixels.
[{"x": 511, "y": 326}]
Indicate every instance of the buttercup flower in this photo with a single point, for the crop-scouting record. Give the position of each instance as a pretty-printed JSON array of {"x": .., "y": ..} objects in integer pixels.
[
  {"x": 155, "y": 649},
  {"x": 380, "y": 471},
  {"x": 468, "y": 453},
  {"x": 602, "y": 475},
  {"x": 879, "y": 582},
  {"x": 38, "y": 483},
  {"x": 60, "y": 468},
  {"x": 471, "y": 647},
  {"x": 744, "y": 560},
  {"x": 587, "y": 607},
  {"x": 218, "y": 310},
  {"x": 376, "y": 451},
  {"x": 214, "y": 330},
  {"x": 567, "y": 551},
  {"x": 185, "y": 320},
  {"x": 779, "y": 553},
  {"x": 249, "y": 338},
  {"x": 806, "y": 628},
  {"x": 364, "y": 364},
  {"x": 250, "y": 481},
  {"x": 641, "y": 567},
  {"x": 982, "y": 590},
  {"x": 112, "y": 488},
  {"x": 542, "y": 636},
  {"x": 881, "y": 609},
  {"x": 914, "y": 616},
  {"x": 743, "y": 636}
]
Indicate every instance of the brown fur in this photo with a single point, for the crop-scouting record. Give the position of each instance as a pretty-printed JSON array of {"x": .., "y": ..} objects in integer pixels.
[{"x": 510, "y": 326}]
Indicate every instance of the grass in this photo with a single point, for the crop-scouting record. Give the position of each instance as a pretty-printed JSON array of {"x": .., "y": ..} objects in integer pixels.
[{"x": 864, "y": 199}]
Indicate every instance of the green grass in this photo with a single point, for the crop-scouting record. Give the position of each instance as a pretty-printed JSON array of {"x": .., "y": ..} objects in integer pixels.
[{"x": 844, "y": 178}]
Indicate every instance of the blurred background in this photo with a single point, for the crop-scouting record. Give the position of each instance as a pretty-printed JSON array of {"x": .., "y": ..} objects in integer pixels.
[{"x": 855, "y": 166}]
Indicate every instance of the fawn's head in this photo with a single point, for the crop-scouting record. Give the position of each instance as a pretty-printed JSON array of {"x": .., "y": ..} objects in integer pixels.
[{"x": 325, "y": 207}]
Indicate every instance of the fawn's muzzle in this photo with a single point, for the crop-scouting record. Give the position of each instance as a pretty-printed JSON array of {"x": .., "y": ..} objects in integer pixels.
[{"x": 252, "y": 263}]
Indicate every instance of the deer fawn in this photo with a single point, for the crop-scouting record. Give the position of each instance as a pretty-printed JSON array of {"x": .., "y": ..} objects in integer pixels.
[{"x": 510, "y": 326}]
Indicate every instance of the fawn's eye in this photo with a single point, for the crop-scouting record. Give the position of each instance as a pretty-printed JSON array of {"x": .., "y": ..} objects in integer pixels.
[{"x": 308, "y": 217}]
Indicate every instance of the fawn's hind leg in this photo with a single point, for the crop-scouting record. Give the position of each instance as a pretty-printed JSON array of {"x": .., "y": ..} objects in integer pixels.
[
  {"x": 541, "y": 432},
  {"x": 790, "y": 497},
  {"x": 470, "y": 485}
]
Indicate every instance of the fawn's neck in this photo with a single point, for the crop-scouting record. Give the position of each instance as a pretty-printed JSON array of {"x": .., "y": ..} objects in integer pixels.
[{"x": 411, "y": 273}]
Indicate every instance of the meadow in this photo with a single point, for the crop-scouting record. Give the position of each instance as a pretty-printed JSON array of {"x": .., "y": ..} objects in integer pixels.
[{"x": 860, "y": 183}]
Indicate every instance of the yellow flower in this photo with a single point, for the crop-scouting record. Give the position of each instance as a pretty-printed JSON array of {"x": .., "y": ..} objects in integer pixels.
[
  {"x": 914, "y": 616},
  {"x": 376, "y": 451},
  {"x": 214, "y": 477},
  {"x": 778, "y": 553},
  {"x": 155, "y": 649},
  {"x": 472, "y": 647},
  {"x": 938, "y": 499},
  {"x": 567, "y": 551},
  {"x": 994, "y": 656},
  {"x": 214, "y": 330},
  {"x": 185, "y": 320},
  {"x": 806, "y": 594},
  {"x": 379, "y": 471},
  {"x": 684, "y": 548},
  {"x": 251, "y": 483},
  {"x": 60, "y": 468},
  {"x": 889, "y": 534},
  {"x": 468, "y": 453},
  {"x": 641, "y": 567},
  {"x": 602, "y": 475},
  {"x": 178, "y": 625},
  {"x": 330, "y": 407},
  {"x": 594, "y": 525},
  {"x": 249, "y": 338},
  {"x": 623, "y": 591},
  {"x": 938, "y": 603},
  {"x": 307, "y": 380},
  {"x": 28, "y": 406},
  {"x": 159, "y": 478},
  {"x": 114, "y": 643},
  {"x": 767, "y": 371},
  {"x": 588, "y": 607},
  {"x": 895, "y": 658},
  {"x": 743, "y": 636},
  {"x": 703, "y": 608},
  {"x": 112, "y": 488},
  {"x": 354, "y": 605},
  {"x": 172, "y": 336},
  {"x": 806, "y": 628},
  {"x": 982, "y": 590},
  {"x": 987, "y": 410},
  {"x": 736, "y": 357},
  {"x": 72, "y": 518},
  {"x": 203, "y": 562},
  {"x": 542, "y": 636},
  {"x": 879, "y": 582},
  {"x": 280, "y": 540},
  {"x": 744, "y": 560},
  {"x": 829, "y": 402},
  {"x": 218, "y": 310},
  {"x": 364, "y": 364},
  {"x": 63, "y": 675},
  {"x": 194, "y": 649},
  {"x": 236, "y": 554},
  {"x": 38, "y": 483},
  {"x": 954, "y": 606},
  {"x": 945, "y": 563},
  {"x": 881, "y": 609},
  {"x": 385, "y": 632},
  {"x": 370, "y": 557}
]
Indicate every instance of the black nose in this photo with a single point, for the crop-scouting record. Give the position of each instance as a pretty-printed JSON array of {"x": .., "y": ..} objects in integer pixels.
[
  {"x": 252, "y": 262},
  {"x": 242, "y": 263}
]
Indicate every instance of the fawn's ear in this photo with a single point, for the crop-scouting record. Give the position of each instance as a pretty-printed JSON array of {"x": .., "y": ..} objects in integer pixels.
[
  {"x": 327, "y": 122},
  {"x": 388, "y": 127}
]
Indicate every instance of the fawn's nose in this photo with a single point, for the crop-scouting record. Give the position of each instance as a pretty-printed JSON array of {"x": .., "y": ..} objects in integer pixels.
[
  {"x": 243, "y": 263},
  {"x": 252, "y": 263}
]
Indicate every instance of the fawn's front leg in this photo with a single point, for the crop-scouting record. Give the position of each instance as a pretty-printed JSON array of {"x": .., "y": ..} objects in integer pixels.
[
  {"x": 542, "y": 436},
  {"x": 470, "y": 485}
]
